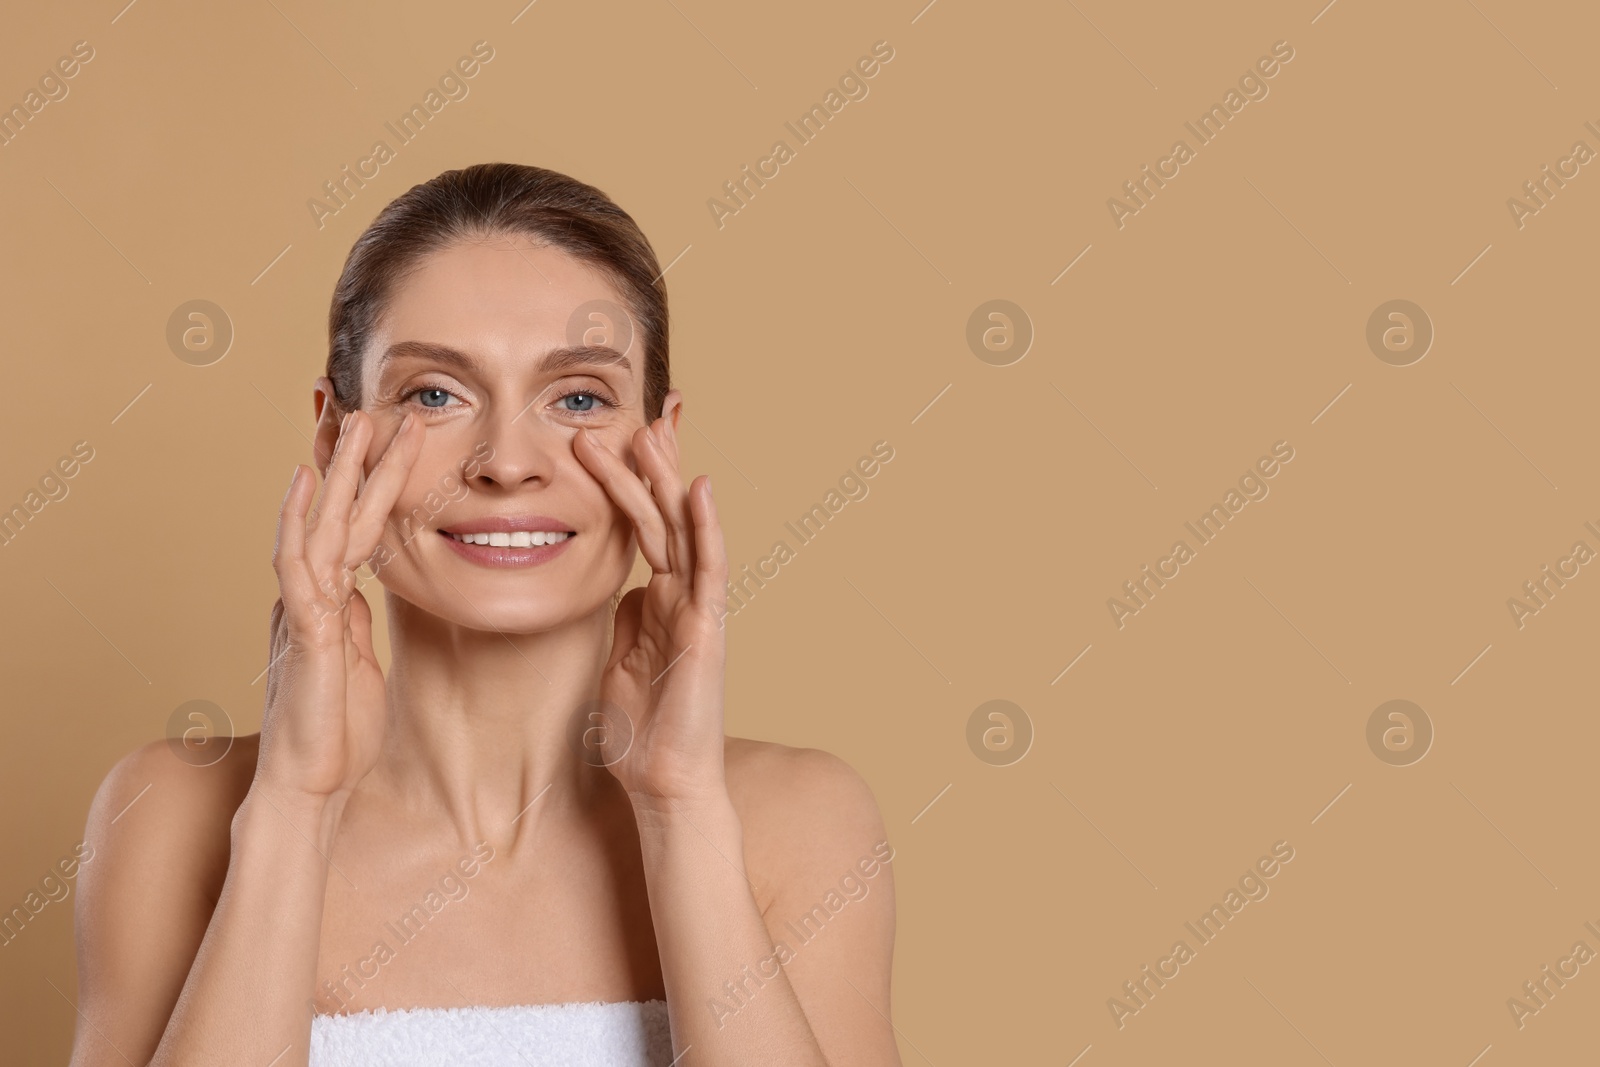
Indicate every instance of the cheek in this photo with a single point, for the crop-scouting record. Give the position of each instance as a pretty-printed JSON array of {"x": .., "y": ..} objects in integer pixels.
[
  {"x": 432, "y": 473},
  {"x": 590, "y": 499},
  {"x": 433, "y": 488},
  {"x": 608, "y": 523},
  {"x": 619, "y": 439}
]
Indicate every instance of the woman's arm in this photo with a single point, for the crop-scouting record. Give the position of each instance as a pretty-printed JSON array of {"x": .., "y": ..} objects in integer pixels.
[
  {"x": 665, "y": 677},
  {"x": 806, "y": 980},
  {"x": 709, "y": 930},
  {"x": 164, "y": 978},
  {"x": 197, "y": 933},
  {"x": 246, "y": 998},
  {"x": 159, "y": 834}
]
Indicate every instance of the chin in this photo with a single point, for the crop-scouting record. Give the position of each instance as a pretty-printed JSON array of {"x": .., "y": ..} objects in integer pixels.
[
  {"x": 513, "y": 617},
  {"x": 507, "y": 611}
]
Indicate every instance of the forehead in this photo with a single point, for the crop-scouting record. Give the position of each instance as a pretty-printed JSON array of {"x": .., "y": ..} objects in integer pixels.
[{"x": 498, "y": 295}]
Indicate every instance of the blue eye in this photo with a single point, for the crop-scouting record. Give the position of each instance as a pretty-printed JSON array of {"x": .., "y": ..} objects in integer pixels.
[
  {"x": 433, "y": 398},
  {"x": 591, "y": 399}
]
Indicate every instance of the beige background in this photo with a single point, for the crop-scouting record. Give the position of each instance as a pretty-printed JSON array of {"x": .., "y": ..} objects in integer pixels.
[{"x": 827, "y": 315}]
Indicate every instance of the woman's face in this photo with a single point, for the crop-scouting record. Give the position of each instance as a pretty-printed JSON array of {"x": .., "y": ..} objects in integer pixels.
[{"x": 503, "y": 349}]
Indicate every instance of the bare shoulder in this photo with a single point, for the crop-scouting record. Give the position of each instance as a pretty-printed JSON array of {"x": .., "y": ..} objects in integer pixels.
[
  {"x": 807, "y": 791},
  {"x": 154, "y": 860},
  {"x": 160, "y": 804},
  {"x": 809, "y": 817},
  {"x": 819, "y": 859}
]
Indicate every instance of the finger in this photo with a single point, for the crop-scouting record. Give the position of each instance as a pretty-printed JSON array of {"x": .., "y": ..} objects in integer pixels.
[
  {"x": 382, "y": 489},
  {"x": 629, "y": 494},
  {"x": 335, "y": 477},
  {"x": 710, "y": 551},
  {"x": 330, "y": 529},
  {"x": 289, "y": 551},
  {"x": 667, "y": 435},
  {"x": 666, "y": 486}
]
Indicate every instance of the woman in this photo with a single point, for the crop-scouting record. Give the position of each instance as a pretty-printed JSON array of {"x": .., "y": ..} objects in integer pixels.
[{"x": 532, "y": 842}]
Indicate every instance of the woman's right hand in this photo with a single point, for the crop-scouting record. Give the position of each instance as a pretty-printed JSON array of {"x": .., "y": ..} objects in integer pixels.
[{"x": 325, "y": 712}]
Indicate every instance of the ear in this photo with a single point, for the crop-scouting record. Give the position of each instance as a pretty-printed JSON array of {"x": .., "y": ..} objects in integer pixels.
[
  {"x": 672, "y": 407},
  {"x": 326, "y": 409}
]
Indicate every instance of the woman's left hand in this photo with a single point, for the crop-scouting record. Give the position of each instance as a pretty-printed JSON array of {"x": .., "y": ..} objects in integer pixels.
[{"x": 669, "y": 650}]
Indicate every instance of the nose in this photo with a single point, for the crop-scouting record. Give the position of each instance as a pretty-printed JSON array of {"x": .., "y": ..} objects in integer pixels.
[{"x": 522, "y": 448}]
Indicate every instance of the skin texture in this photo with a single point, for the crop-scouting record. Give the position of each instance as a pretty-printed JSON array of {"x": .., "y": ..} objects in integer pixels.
[{"x": 235, "y": 897}]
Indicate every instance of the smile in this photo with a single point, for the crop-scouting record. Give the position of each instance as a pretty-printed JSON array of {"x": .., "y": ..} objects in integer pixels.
[
  {"x": 515, "y": 541},
  {"x": 513, "y": 538}
]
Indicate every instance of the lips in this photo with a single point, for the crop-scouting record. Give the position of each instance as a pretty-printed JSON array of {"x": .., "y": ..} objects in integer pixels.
[{"x": 506, "y": 530}]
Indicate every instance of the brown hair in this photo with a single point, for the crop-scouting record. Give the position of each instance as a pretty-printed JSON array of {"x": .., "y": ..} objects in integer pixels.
[{"x": 484, "y": 200}]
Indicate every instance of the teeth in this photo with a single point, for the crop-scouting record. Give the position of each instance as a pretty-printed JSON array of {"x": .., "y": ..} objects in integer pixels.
[{"x": 515, "y": 539}]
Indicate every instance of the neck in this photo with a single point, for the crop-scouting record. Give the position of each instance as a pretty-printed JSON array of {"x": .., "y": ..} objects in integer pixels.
[{"x": 479, "y": 721}]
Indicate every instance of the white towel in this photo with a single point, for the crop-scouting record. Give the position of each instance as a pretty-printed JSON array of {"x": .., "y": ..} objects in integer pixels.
[{"x": 598, "y": 1034}]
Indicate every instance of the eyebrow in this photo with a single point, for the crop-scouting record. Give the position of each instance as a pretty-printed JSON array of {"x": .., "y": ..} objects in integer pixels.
[{"x": 554, "y": 361}]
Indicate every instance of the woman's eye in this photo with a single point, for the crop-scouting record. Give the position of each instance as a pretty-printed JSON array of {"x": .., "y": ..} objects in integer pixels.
[
  {"x": 433, "y": 398},
  {"x": 583, "y": 402}
]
